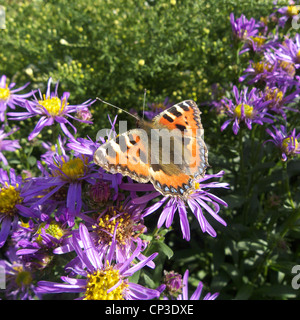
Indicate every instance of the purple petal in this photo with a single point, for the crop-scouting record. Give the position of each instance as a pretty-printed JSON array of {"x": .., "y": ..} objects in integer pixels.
[
  {"x": 89, "y": 247},
  {"x": 5, "y": 228}
]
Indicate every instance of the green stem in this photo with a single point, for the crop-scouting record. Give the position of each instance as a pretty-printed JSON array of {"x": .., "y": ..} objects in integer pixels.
[
  {"x": 287, "y": 184},
  {"x": 154, "y": 233}
]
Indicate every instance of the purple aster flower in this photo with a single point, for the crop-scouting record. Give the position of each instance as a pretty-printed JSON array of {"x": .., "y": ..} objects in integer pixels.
[
  {"x": 104, "y": 279},
  {"x": 12, "y": 203},
  {"x": 286, "y": 142},
  {"x": 281, "y": 67},
  {"x": 20, "y": 280},
  {"x": 270, "y": 70},
  {"x": 156, "y": 108},
  {"x": 46, "y": 234},
  {"x": 242, "y": 28},
  {"x": 199, "y": 201},
  {"x": 123, "y": 218},
  {"x": 62, "y": 183},
  {"x": 258, "y": 71},
  {"x": 289, "y": 51},
  {"x": 53, "y": 149},
  {"x": 249, "y": 108},
  {"x": 258, "y": 44},
  {"x": 50, "y": 108},
  {"x": 173, "y": 284},
  {"x": 9, "y": 98},
  {"x": 279, "y": 98},
  {"x": 7, "y": 145},
  {"x": 84, "y": 114},
  {"x": 288, "y": 13}
]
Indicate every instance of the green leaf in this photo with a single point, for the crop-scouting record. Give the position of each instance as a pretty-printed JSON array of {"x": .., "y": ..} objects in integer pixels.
[
  {"x": 164, "y": 248},
  {"x": 31, "y": 160},
  {"x": 244, "y": 292}
]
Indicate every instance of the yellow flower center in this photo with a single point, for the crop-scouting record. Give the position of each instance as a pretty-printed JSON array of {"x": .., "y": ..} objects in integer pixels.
[
  {"x": 259, "y": 41},
  {"x": 24, "y": 224},
  {"x": 101, "y": 281},
  {"x": 197, "y": 186},
  {"x": 23, "y": 277},
  {"x": 107, "y": 223},
  {"x": 4, "y": 93},
  {"x": 9, "y": 198},
  {"x": 260, "y": 67},
  {"x": 73, "y": 169},
  {"x": 287, "y": 67},
  {"x": 290, "y": 141},
  {"x": 264, "y": 20},
  {"x": 53, "y": 105},
  {"x": 273, "y": 94},
  {"x": 53, "y": 229},
  {"x": 248, "y": 110},
  {"x": 292, "y": 11}
]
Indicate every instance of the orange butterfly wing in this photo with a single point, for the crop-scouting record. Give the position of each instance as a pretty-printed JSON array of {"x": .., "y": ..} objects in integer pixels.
[
  {"x": 178, "y": 180},
  {"x": 130, "y": 152}
]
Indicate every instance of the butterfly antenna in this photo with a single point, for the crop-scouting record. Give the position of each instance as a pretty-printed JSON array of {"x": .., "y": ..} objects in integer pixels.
[
  {"x": 117, "y": 108},
  {"x": 145, "y": 92}
]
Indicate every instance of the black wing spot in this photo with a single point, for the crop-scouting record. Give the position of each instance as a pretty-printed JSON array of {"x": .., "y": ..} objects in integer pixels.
[
  {"x": 168, "y": 118},
  {"x": 184, "y": 107},
  {"x": 156, "y": 167},
  {"x": 180, "y": 127},
  {"x": 131, "y": 139},
  {"x": 175, "y": 112}
]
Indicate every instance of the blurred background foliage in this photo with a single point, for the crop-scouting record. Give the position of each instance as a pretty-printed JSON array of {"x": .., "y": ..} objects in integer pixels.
[{"x": 179, "y": 49}]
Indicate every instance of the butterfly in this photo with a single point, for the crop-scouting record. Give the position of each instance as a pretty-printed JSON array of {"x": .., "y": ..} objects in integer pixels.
[{"x": 142, "y": 154}]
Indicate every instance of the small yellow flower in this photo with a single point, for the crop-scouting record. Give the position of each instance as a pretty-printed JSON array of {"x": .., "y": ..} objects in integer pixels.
[
  {"x": 141, "y": 62},
  {"x": 173, "y": 2}
]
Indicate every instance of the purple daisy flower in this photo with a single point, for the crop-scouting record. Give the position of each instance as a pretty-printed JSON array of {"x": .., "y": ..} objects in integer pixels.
[
  {"x": 279, "y": 98},
  {"x": 63, "y": 182},
  {"x": 173, "y": 284},
  {"x": 270, "y": 70},
  {"x": 125, "y": 220},
  {"x": 288, "y": 13},
  {"x": 242, "y": 28},
  {"x": 53, "y": 149},
  {"x": 156, "y": 108},
  {"x": 7, "y": 145},
  {"x": 258, "y": 44},
  {"x": 46, "y": 234},
  {"x": 124, "y": 213},
  {"x": 9, "y": 98},
  {"x": 257, "y": 71},
  {"x": 104, "y": 279},
  {"x": 289, "y": 51},
  {"x": 12, "y": 203},
  {"x": 200, "y": 199},
  {"x": 287, "y": 143},
  {"x": 20, "y": 280},
  {"x": 50, "y": 108},
  {"x": 249, "y": 108}
]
